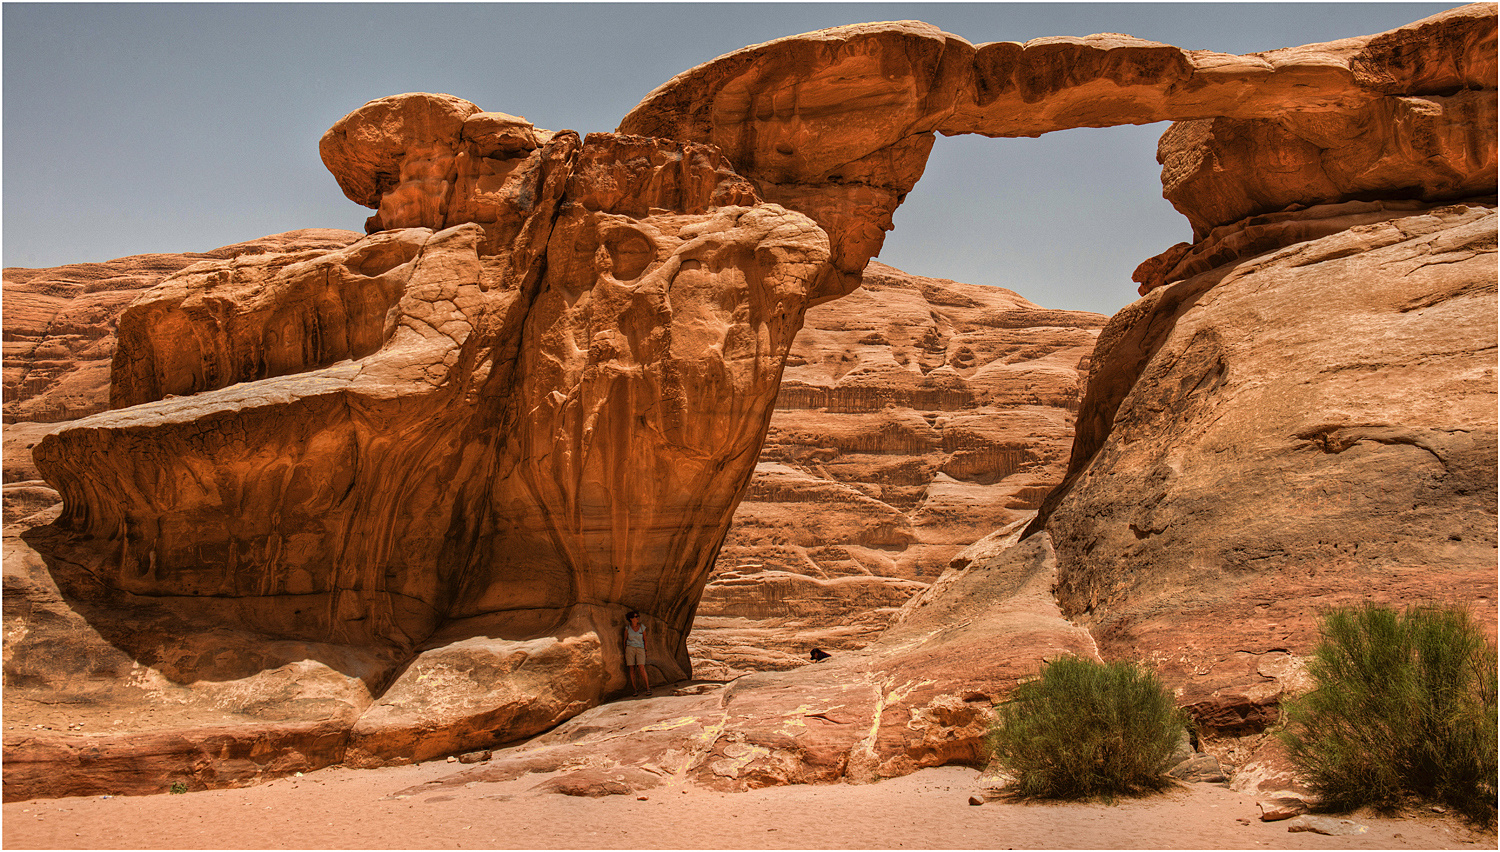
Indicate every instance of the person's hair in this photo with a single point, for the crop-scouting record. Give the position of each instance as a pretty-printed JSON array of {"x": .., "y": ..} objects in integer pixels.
[{"x": 631, "y": 614}]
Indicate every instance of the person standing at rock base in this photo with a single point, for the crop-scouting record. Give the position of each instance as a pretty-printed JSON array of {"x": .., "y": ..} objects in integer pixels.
[{"x": 635, "y": 653}]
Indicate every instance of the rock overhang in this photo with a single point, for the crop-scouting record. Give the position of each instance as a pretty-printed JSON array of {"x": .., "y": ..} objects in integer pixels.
[
  {"x": 509, "y": 217},
  {"x": 748, "y": 102}
]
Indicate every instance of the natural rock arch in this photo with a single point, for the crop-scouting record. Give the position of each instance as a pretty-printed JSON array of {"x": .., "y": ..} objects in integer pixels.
[
  {"x": 837, "y": 124},
  {"x": 460, "y": 466}
]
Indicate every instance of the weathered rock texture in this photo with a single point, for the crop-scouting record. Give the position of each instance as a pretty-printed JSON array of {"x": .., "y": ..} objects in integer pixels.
[
  {"x": 920, "y": 696},
  {"x": 390, "y": 500},
  {"x": 838, "y": 123},
  {"x": 60, "y": 333},
  {"x": 1308, "y": 428},
  {"x": 914, "y": 415},
  {"x": 456, "y": 456},
  {"x": 60, "y": 323}
]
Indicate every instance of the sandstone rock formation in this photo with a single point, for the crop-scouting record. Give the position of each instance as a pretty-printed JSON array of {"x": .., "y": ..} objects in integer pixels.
[
  {"x": 60, "y": 323},
  {"x": 1270, "y": 150},
  {"x": 985, "y": 346},
  {"x": 838, "y": 123},
  {"x": 914, "y": 415},
  {"x": 60, "y": 339},
  {"x": 1310, "y": 427},
  {"x": 389, "y": 500},
  {"x": 992, "y": 379},
  {"x": 920, "y": 696},
  {"x": 454, "y": 457}
]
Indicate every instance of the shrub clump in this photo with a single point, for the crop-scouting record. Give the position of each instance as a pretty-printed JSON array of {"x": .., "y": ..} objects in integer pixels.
[
  {"x": 1403, "y": 707},
  {"x": 1084, "y": 729}
]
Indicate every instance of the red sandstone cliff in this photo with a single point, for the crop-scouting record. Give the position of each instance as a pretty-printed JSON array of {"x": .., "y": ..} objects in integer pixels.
[{"x": 914, "y": 416}]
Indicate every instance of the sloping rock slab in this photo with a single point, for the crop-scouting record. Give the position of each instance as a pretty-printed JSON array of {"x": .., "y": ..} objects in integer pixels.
[
  {"x": 920, "y": 696},
  {"x": 1308, "y": 428},
  {"x": 1326, "y": 825},
  {"x": 146, "y": 762},
  {"x": 596, "y": 783}
]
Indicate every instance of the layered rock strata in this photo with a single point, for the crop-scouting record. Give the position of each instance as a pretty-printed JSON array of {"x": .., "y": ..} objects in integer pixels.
[
  {"x": 914, "y": 414},
  {"x": 468, "y": 450},
  {"x": 533, "y": 397}
]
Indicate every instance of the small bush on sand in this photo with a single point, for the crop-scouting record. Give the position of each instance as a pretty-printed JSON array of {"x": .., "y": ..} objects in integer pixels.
[
  {"x": 1403, "y": 706},
  {"x": 1085, "y": 729}
]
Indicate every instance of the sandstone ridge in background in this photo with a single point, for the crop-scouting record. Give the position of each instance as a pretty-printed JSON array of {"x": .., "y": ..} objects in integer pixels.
[{"x": 914, "y": 415}]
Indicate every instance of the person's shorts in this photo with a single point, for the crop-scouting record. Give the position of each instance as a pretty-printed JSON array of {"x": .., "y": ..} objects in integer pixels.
[{"x": 635, "y": 656}]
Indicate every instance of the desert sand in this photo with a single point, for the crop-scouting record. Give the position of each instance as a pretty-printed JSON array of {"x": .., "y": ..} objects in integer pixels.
[{"x": 376, "y": 809}]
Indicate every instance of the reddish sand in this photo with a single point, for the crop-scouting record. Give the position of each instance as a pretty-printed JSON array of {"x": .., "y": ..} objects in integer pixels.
[{"x": 342, "y": 809}]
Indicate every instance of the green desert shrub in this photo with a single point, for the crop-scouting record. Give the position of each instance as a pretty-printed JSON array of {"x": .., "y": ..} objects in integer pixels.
[
  {"x": 1084, "y": 729},
  {"x": 1403, "y": 706}
]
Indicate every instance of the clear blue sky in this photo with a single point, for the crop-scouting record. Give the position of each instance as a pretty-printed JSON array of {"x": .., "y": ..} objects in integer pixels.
[{"x": 133, "y": 128}]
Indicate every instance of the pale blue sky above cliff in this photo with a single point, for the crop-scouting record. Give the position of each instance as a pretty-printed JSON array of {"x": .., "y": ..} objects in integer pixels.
[{"x": 134, "y": 128}]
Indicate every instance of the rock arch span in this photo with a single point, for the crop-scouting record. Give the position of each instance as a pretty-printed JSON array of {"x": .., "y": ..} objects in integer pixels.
[
  {"x": 532, "y": 398},
  {"x": 837, "y": 124}
]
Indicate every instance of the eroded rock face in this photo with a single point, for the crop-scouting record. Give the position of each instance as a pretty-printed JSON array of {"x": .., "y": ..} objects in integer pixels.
[
  {"x": 914, "y": 415},
  {"x": 416, "y": 480},
  {"x": 1261, "y": 441},
  {"x": 838, "y": 123},
  {"x": 60, "y": 323},
  {"x": 435, "y": 444},
  {"x": 1427, "y": 148}
]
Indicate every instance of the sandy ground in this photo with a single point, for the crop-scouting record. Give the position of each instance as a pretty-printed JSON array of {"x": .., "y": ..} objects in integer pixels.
[{"x": 358, "y": 809}]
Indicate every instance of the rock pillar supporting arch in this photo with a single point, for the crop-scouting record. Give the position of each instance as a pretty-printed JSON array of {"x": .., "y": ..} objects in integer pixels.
[{"x": 554, "y": 363}]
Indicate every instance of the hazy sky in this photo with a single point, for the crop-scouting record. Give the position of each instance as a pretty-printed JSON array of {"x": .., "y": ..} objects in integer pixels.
[{"x": 133, "y": 128}]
